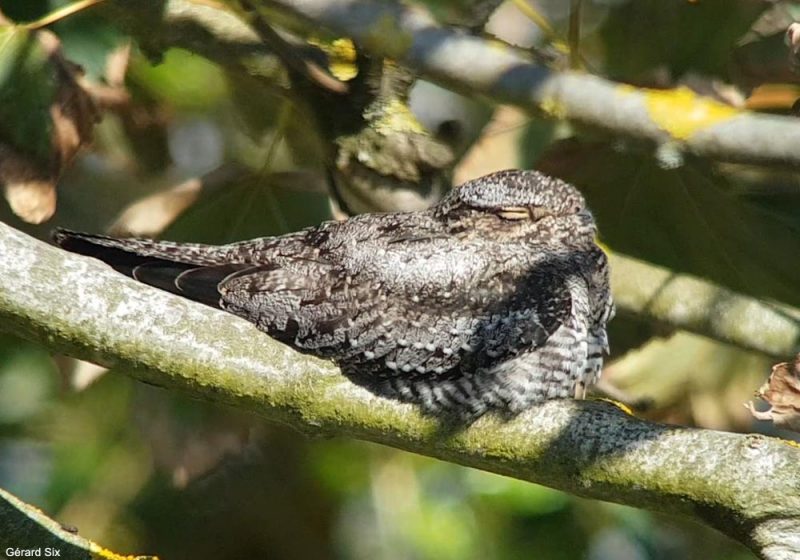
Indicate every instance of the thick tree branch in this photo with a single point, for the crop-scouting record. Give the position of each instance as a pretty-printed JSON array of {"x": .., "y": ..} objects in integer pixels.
[
  {"x": 476, "y": 65},
  {"x": 746, "y": 486}
]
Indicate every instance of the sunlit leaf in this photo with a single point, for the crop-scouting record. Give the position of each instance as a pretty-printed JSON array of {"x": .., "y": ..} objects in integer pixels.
[
  {"x": 181, "y": 79},
  {"x": 27, "y": 88}
]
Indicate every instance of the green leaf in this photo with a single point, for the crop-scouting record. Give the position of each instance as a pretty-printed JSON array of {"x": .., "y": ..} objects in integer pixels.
[
  {"x": 643, "y": 36},
  {"x": 185, "y": 81},
  {"x": 25, "y": 528},
  {"x": 253, "y": 208},
  {"x": 88, "y": 40}
]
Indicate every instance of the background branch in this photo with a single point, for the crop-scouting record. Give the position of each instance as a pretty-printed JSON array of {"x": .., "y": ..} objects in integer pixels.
[
  {"x": 745, "y": 486},
  {"x": 681, "y": 301},
  {"x": 475, "y": 65},
  {"x": 204, "y": 28}
]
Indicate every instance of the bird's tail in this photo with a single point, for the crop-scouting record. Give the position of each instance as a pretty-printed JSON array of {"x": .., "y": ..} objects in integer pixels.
[{"x": 188, "y": 269}]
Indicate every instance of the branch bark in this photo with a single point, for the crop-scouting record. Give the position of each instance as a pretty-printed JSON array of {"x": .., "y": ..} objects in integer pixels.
[
  {"x": 744, "y": 485},
  {"x": 476, "y": 65},
  {"x": 681, "y": 301},
  {"x": 202, "y": 27}
]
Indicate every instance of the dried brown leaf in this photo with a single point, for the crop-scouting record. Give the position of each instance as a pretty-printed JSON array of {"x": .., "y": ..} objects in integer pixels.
[
  {"x": 151, "y": 215},
  {"x": 782, "y": 392},
  {"x": 73, "y": 112},
  {"x": 29, "y": 172},
  {"x": 33, "y": 201},
  {"x": 30, "y": 192}
]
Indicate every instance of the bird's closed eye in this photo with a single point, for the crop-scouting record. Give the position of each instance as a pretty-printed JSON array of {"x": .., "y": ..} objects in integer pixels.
[
  {"x": 532, "y": 213},
  {"x": 514, "y": 213}
]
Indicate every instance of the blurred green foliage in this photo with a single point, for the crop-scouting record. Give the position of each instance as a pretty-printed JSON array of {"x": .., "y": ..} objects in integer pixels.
[
  {"x": 142, "y": 470},
  {"x": 27, "y": 88},
  {"x": 641, "y": 38}
]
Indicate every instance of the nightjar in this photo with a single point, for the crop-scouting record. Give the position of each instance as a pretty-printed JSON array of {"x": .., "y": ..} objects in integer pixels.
[{"x": 496, "y": 298}]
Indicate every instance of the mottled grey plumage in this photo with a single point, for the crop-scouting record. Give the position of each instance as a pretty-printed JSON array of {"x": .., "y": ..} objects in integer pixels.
[{"x": 496, "y": 298}]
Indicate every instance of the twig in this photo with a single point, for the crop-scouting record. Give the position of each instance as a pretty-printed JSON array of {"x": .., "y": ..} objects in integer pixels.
[
  {"x": 289, "y": 54},
  {"x": 25, "y": 527},
  {"x": 61, "y": 13}
]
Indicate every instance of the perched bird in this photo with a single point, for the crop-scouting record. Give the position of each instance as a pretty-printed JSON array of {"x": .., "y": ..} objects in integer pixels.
[{"x": 496, "y": 298}]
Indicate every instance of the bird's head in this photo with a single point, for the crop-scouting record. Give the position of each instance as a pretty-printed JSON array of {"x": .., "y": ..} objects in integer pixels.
[{"x": 519, "y": 204}]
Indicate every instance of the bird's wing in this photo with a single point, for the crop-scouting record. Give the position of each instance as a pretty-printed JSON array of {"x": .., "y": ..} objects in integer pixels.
[
  {"x": 383, "y": 301},
  {"x": 339, "y": 289},
  {"x": 293, "y": 299},
  {"x": 313, "y": 291}
]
